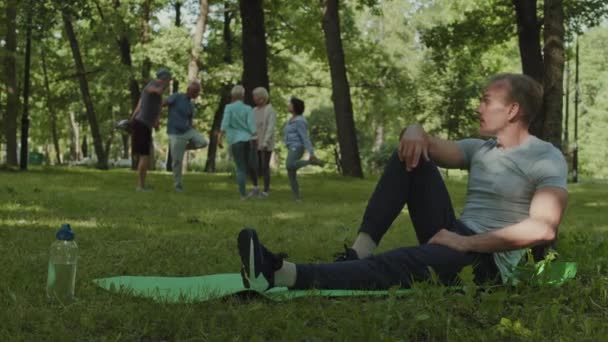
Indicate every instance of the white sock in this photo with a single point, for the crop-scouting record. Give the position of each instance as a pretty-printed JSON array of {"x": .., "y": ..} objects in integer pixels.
[
  {"x": 364, "y": 245},
  {"x": 286, "y": 275}
]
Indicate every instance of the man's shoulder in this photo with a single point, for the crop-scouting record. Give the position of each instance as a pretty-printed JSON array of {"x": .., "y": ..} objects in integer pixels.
[
  {"x": 152, "y": 83},
  {"x": 542, "y": 148},
  {"x": 176, "y": 97},
  {"x": 473, "y": 145},
  {"x": 240, "y": 106}
]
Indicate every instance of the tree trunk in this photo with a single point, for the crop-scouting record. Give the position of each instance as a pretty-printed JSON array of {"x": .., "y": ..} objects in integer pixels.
[
  {"x": 145, "y": 72},
  {"x": 25, "y": 119},
  {"x": 528, "y": 34},
  {"x": 378, "y": 136},
  {"x": 145, "y": 38},
  {"x": 197, "y": 46},
  {"x": 124, "y": 46},
  {"x": 102, "y": 161},
  {"x": 347, "y": 138},
  {"x": 554, "y": 70},
  {"x": 255, "y": 64},
  {"x": 74, "y": 138},
  {"x": 85, "y": 147},
  {"x": 12, "y": 96},
  {"x": 50, "y": 108},
  {"x": 215, "y": 128},
  {"x": 178, "y": 23},
  {"x": 224, "y": 95},
  {"x": 125, "y": 146}
]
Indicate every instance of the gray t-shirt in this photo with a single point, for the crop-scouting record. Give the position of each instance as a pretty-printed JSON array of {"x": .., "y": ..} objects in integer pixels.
[
  {"x": 151, "y": 103},
  {"x": 502, "y": 183}
]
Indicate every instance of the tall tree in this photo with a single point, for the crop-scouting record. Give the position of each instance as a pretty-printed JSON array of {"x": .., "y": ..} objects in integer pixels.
[
  {"x": 12, "y": 96},
  {"x": 25, "y": 119},
  {"x": 124, "y": 45},
  {"x": 51, "y": 110},
  {"x": 145, "y": 38},
  {"x": 102, "y": 157},
  {"x": 197, "y": 44},
  {"x": 177, "y": 6},
  {"x": 554, "y": 60},
  {"x": 255, "y": 49},
  {"x": 547, "y": 67},
  {"x": 347, "y": 137},
  {"x": 145, "y": 71},
  {"x": 75, "y": 147},
  {"x": 528, "y": 35},
  {"x": 224, "y": 97}
]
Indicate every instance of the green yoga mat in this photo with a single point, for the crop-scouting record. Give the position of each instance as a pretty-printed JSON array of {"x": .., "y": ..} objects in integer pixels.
[
  {"x": 207, "y": 287},
  {"x": 214, "y": 286}
]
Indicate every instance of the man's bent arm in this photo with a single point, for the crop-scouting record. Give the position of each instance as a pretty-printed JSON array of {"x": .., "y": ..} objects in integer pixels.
[
  {"x": 156, "y": 89},
  {"x": 546, "y": 210},
  {"x": 415, "y": 144},
  {"x": 446, "y": 153},
  {"x": 136, "y": 109}
]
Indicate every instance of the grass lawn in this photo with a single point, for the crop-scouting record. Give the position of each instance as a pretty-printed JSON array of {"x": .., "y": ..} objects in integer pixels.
[{"x": 121, "y": 232}]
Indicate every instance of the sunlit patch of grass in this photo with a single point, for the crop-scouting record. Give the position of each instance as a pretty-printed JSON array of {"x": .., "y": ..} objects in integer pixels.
[
  {"x": 596, "y": 204},
  {"x": 18, "y": 207}
]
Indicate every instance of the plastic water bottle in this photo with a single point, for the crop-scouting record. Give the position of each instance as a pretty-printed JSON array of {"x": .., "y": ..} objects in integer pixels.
[{"x": 61, "y": 277}]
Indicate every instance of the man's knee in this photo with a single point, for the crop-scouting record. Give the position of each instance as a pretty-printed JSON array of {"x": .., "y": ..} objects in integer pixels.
[{"x": 197, "y": 142}]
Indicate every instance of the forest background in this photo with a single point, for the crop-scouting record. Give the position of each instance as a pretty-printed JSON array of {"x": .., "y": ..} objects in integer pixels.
[{"x": 73, "y": 70}]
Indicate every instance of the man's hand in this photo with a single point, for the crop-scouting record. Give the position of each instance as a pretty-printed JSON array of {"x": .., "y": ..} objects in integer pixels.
[
  {"x": 450, "y": 239},
  {"x": 413, "y": 144}
]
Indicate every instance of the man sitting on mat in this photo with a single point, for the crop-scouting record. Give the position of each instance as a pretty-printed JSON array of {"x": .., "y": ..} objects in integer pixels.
[{"x": 515, "y": 199}]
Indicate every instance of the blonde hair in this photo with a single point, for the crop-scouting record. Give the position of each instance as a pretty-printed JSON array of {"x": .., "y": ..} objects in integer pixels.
[
  {"x": 238, "y": 91},
  {"x": 261, "y": 92}
]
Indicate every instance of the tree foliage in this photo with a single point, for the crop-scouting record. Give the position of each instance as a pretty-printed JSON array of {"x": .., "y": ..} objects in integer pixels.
[{"x": 406, "y": 61}]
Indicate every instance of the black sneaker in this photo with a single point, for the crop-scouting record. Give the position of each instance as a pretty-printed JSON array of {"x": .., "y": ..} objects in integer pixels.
[
  {"x": 348, "y": 254},
  {"x": 258, "y": 264}
]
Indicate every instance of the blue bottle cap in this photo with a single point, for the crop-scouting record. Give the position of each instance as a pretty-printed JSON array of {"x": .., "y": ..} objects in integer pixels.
[{"x": 65, "y": 233}]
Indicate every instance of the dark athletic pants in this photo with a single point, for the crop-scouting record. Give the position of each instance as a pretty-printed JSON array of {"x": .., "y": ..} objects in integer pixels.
[
  {"x": 252, "y": 162},
  {"x": 264, "y": 167},
  {"x": 430, "y": 208}
]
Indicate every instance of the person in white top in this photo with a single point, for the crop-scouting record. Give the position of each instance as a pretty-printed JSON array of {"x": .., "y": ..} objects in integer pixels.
[{"x": 265, "y": 121}]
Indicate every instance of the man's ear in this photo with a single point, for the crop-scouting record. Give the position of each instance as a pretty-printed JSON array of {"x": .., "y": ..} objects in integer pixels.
[{"x": 514, "y": 111}]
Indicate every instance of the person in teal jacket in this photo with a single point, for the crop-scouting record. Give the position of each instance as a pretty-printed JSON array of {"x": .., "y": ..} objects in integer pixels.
[{"x": 238, "y": 125}]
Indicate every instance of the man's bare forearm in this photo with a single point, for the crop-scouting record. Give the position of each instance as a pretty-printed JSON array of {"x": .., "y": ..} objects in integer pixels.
[{"x": 527, "y": 233}]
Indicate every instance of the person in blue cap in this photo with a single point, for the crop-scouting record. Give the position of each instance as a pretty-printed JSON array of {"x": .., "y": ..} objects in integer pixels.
[
  {"x": 145, "y": 117},
  {"x": 182, "y": 135}
]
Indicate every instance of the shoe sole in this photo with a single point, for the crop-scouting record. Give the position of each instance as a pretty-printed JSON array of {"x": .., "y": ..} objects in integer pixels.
[{"x": 247, "y": 243}]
